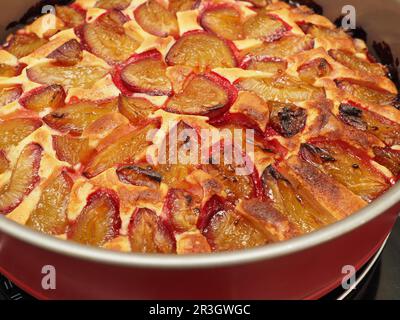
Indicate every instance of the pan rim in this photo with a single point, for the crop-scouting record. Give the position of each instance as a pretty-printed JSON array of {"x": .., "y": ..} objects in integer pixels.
[{"x": 167, "y": 261}]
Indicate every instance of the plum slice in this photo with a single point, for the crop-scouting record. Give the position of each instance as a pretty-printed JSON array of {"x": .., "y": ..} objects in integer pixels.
[
  {"x": 9, "y": 94},
  {"x": 181, "y": 5},
  {"x": 287, "y": 119},
  {"x": 156, "y": 20},
  {"x": 200, "y": 96},
  {"x": 367, "y": 92},
  {"x": 71, "y": 149},
  {"x": 50, "y": 214},
  {"x": 289, "y": 202},
  {"x": 77, "y": 76},
  {"x": 225, "y": 22},
  {"x": 4, "y": 163},
  {"x": 139, "y": 176},
  {"x": 23, "y": 44},
  {"x": 281, "y": 88},
  {"x": 71, "y": 17},
  {"x": 282, "y": 48},
  {"x": 75, "y": 118},
  {"x": 99, "y": 221},
  {"x": 311, "y": 71},
  {"x": 135, "y": 109},
  {"x": 121, "y": 151},
  {"x": 148, "y": 233},
  {"x": 182, "y": 209},
  {"x": 68, "y": 54},
  {"x": 13, "y": 131},
  {"x": 373, "y": 123},
  {"x": 265, "y": 27},
  {"x": 147, "y": 75},
  {"x": 113, "y": 4},
  {"x": 106, "y": 37},
  {"x": 353, "y": 62},
  {"x": 389, "y": 158},
  {"x": 9, "y": 71},
  {"x": 201, "y": 50},
  {"x": 38, "y": 100},
  {"x": 348, "y": 166},
  {"x": 267, "y": 65},
  {"x": 24, "y": 178}
]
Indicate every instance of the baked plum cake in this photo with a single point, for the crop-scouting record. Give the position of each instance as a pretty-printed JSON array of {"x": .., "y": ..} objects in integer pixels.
[{"x": 105, "y": 115}]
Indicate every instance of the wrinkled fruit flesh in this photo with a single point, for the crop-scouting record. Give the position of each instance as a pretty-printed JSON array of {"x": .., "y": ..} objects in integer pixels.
[
  {"x": 38, "y": 100},
  {"x": 135, "y": 109},
  {"x": 72, "y": 149},
  {"x": 9, "y": 94},
  {"x": 21, "y": 45},
  {"x": 139, "y": 176},
  {"x": 389, "y": 158},
  {"x": 13, "y": 131},
  {"x": 265, "y": 27},
  {"x": 71, "y": 17},
  {"x": 68, "y": 54},
  {"x": 287, "y": 119},
  {"x": 224, "y": 22}
]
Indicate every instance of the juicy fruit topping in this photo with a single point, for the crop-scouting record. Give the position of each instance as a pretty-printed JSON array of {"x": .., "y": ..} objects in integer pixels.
[
  {"x": 38, "y": 100},
  {"x": 122, "y": 151},
  {"x": 281, "y": 88},
  {"x": 23, "y": 44},
  {"x": 78, "y": 76},
  {"x": 148, "y": 233},
  {"x": 135, "y": 109},
  {"x": 200, "y": 96},
  {"x": 113, "y": 4},
  {"x": 286, "y": 200},
  {"x": 75, "y": 118},
  {"x": 147, "y": 75},
  {"x": 138, "y": 176},
  {"x": 367, "y": 92},
  {"x": 347, "y": 167},
  {"x": 287, "y": 119},
  {"x": 389, "y": 158},
  {"x": 68, "y": 54},
  {"x": 9, "y": 71},
  {"x": 107, "y": 39},
  {"x": 156, "y": 20},
  {"x": 13, "y": 131},
  {"x": 202, "y": 51},
  {"x": 351, "y": 61},
  {"x": 24, "y": 178},
  {"x": 181, "y": 5},
  {"x": 9, "y": 94},
  {"x": 192, "y": 242},
  {"x": 270, "y": 66},
  {"x": 265, "y": 27},
  {"x": 71, "y": 149},
  {"x": 314, "y": 69},
  {"x": 71, "y": 17},
  {"x": 182, "y": 209},
  {"x": 224, "y": 22},
  {"x": 281, "y": 48},
  {"x": 364, "y": 120},
  {"x": 50, "y": 214},
  {"x": 4, "y": 163},
  {"x": 99, "y": 221}
]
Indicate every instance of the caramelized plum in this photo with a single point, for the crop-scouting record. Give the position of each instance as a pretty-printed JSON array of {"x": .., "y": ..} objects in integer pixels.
[
  {"x": 311, "y": 71},
  {"x": 68, "y": 54},
  {"x": 202, "y": 51},
  {"x": 270, "y": 66},
  {"x": 78, "y": 76},
  {"x": 156, "y": 20},
  {"x": 23, "y": 44},
  {"x": 181, "y": 5},
  {"x": 13, "y": 131},
  {"x": 99, "y": 221},
  {"x": 389, "y": 158},
  {"x": 192, "y": 242},
  {"x": 138, "y": 176},
  {"x": 147, "y": 75},
  {"x": 225, "y": 22},
  {"x": 287, "y": 119},
  {"x": 72, "y": 18},
  {"x": 50, "y": 214},
  {"x": 281, "y": 88},
  {"x": 148, "y": 233},
  {"x": 122, "y": 151},
  {"x": 365, "y": 120},
  {"x": 9, "y": 94},
  {"x": 135, "y": 109},
  {"x": 71, "y": 149},
  {"x": 24, "y": 178},
  {"x": 74, "y": 118},
  {"x": 107, "y": 39},
  {"x": 9, "y": 71},
  {"x": 38, "y": 100},
  {"x": 4, "y": 163},
  {"x": 200, "y": 96},
  {"x": 348, "y": 166},
  {"x": 264, "y": 26},
  {"x": 113, "y": 4}
]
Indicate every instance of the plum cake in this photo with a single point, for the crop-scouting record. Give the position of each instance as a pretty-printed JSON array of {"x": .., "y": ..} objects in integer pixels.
[{"x": 104, "y": 106}]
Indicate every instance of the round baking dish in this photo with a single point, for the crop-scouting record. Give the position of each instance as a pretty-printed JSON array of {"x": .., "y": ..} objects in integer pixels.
[{"x": 306, "y": 267}]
